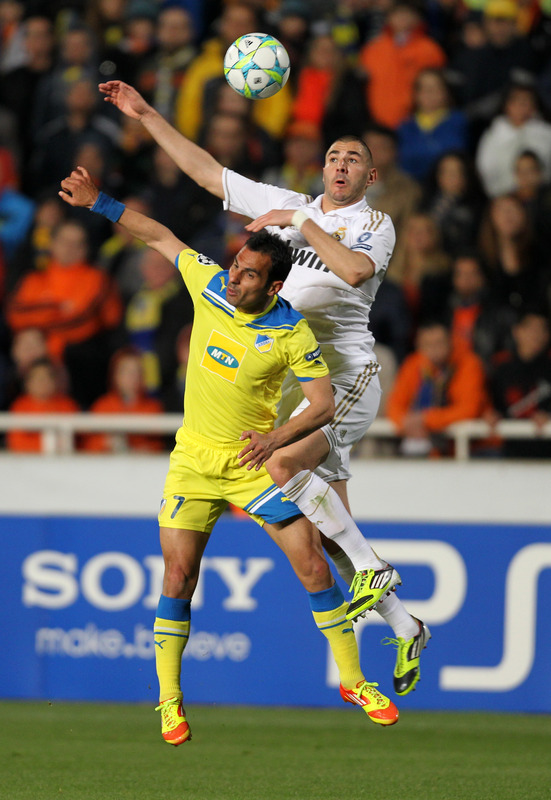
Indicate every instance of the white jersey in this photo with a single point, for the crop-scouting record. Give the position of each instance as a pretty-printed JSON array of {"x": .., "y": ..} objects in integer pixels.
[{"x": 337, "y": 312}]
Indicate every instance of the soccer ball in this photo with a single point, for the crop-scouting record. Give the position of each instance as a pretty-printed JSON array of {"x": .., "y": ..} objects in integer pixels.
[{"x": 256, "y": 65}]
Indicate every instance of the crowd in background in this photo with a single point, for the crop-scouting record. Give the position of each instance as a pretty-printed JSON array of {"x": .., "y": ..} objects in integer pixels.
[{"x": 452, "y": 96}]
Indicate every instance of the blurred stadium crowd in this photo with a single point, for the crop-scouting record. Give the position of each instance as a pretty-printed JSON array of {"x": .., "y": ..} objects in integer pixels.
[{"x": 452, "y": 96}]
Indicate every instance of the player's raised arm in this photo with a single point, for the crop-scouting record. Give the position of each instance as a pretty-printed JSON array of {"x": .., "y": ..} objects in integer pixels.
[
  {"x": 350, "y": 265},
  {"x": 192, "y": 159},
  {"x": 79, "y": 190}
]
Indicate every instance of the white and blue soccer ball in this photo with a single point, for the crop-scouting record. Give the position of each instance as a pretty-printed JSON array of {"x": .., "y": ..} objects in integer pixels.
[{"x": 256, "y": 65}]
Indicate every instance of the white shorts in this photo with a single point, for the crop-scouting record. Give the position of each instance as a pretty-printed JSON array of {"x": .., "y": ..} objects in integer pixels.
[{"x": 357, "y": 398}]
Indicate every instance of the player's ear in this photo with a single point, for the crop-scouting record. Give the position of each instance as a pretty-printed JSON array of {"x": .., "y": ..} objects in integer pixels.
[
  {"x": 371, "y": 177},
  {"x": 275, "y": 287}
]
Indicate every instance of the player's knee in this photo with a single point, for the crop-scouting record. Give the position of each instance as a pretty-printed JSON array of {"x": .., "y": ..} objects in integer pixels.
[
  {"x": 178, "y": 581},
  {"x": 316, "y": 575},
  {"x": 321, "y": 572},
  {"x": 282, "y": 468}
]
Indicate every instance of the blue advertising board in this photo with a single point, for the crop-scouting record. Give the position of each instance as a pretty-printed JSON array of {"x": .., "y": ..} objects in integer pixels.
[{"x": 78, "y": 596}]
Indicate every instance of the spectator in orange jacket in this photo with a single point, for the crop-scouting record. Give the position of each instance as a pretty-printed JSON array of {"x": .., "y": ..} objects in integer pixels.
[
  {"x": 42, "y": 394},
  {"x": 70, "y": 300},
  {"x": 393, "y": 60},
  {"x": 126, "y": 396},
  {"x": 433, "y": 388}
]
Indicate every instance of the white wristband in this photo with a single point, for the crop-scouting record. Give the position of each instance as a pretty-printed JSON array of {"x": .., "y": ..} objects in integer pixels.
[{"x": 299, "y": 218}]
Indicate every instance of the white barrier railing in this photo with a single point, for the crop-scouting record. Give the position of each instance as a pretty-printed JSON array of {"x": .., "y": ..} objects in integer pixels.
[{"x": 58, "y": 430}]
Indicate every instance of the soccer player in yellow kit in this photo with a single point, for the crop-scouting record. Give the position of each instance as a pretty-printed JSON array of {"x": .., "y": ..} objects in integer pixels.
[
  {"x": 341, "y": 250},
  {"x": 244, "y": 340}
]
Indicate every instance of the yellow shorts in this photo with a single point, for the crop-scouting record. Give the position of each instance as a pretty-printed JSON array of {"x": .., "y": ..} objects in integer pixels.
[{"x": 204, "y": 476}]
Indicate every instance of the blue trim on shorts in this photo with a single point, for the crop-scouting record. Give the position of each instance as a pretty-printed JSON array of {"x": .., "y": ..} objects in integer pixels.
[
  {"x": 327, "y": 599},
  {"x": 274, "y": 508}
]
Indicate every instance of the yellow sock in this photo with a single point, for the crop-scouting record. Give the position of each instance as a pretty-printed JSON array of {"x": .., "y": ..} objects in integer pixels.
[
  {"x": 170, "y": 637},
  {"x": 340, "y": 635}
]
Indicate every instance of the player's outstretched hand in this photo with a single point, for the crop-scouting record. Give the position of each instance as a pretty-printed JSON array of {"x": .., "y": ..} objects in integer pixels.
[
  {"x": 125, "y": 98},
  {"x": 79, "y": 189},
  {"x": 280, "y": 217},
  {"x": 258, "y": 450}
]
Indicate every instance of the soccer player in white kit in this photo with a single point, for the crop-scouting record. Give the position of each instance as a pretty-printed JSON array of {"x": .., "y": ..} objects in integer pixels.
[{"x": 341, "y": 251}]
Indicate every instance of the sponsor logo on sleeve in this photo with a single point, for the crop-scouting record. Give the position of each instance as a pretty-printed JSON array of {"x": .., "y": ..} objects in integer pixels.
[
  {"x": 204, "y": 260},
  {"x": 313, "y": 355}
]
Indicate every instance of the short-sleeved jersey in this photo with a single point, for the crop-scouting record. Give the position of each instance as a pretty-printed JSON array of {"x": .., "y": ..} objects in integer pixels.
[
  {"x": 337, "y": 313},
  {"x": 238, "y": 361}
]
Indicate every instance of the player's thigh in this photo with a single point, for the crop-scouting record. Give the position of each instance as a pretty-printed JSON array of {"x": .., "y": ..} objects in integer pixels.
[
  {"x": 182, "y": 552},
  {"x": 307, "y": 453},
  {"x": 357, "y": 399},
  {"x": 183, "y": 547}
]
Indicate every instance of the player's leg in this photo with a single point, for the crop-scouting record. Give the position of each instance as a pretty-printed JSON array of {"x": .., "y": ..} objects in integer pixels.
[
  {"x": 301, "y": 544},
  {"x": 182, "y": 552},
  {"x": 291, "y": 469},
  {"x": 357, "y": 401},
  {"x": 256, "y": 493},
  {"x": 188, "y": 513},
  {"x": 411, "y": 634}
]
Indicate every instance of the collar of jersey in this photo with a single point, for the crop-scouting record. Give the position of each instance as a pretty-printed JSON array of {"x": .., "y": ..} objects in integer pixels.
[
  {"x": 346, "y": 211},
  {"x": 243, "y": 318}
]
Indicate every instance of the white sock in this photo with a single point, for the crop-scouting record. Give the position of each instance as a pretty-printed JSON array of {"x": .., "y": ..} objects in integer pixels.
[
  {"x": 324, "y": 508},
  {"x": 343, "y": 565},
  {"x": 394, "y": 612}
]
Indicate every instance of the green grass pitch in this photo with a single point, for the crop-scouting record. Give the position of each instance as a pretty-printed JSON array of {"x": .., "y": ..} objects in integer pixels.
[{"x": 114, "y": 752}]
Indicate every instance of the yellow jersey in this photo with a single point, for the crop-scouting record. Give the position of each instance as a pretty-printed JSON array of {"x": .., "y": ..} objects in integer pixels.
[{"x": 238, "y": 361}]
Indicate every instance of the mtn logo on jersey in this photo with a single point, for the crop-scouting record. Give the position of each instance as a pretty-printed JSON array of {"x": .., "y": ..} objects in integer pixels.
[
  {"x": 223, "y": 356},
  {"x": 263, "y": 343},
  {"x": 339, "y": 234}
]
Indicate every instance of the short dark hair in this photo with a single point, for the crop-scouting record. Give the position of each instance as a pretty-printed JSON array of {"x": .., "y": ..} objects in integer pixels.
[
  {"x": 279, "y": 251},
  {"x": 351, "y": 137}
]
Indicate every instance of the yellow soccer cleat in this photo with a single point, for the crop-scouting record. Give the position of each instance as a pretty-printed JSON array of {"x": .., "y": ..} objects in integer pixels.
[
  {"x": 407, "y": 671},
  {"x": 378, "y": 708},
  {"x": 174, "y": 727},
  {"x": 368, "y": 587}
]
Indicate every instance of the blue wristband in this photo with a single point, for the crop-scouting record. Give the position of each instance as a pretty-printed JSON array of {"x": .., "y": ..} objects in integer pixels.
[{"x": 108, "y": 207}]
